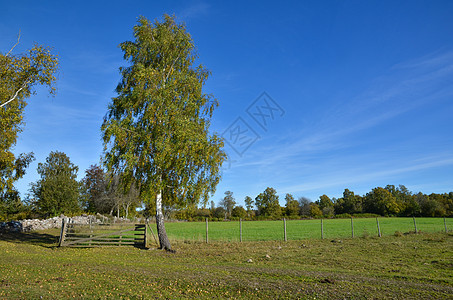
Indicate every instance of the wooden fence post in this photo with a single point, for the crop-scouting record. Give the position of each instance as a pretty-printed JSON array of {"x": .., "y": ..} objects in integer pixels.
[
  {"x": 63, "y": 232},
  {"x": 322, "y": 230},
  {"x": 91, "y": 231},
  {"x": 146, "y": 243},
  {"x": 352, "y": 227},
  {"x": 240, "y": 230},
  {"x": 378, "y": 227},
  {"x": 445, "y": 225},
  {"x": 284, "y": 229},
  {"x": 207, "y": 239},
  {"x": 415, "y": 225}
]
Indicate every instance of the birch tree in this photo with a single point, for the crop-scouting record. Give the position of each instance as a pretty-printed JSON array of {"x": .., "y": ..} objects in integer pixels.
[{"x": 156, "y": 131}]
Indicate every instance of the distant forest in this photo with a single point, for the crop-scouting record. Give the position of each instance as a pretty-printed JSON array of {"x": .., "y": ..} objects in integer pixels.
[{"x": 387, "y": 201}]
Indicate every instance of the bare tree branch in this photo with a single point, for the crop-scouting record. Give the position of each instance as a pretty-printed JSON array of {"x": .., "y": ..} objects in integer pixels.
[{"x": 18, "y": 38}]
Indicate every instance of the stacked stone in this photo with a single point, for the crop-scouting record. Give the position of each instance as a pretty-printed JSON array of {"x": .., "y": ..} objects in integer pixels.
[
  {"x": 36, "y": 224},
  {"x": 13, "y": 226}
]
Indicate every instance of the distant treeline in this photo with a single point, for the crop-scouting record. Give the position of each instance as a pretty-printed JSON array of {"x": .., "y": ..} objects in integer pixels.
[{"x": 380, "y": 201}]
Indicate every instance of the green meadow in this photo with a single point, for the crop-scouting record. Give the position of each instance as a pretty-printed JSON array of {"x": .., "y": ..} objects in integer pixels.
[
  {"x": 300, "y": 229},
  {"x": 406, "y": 266}
]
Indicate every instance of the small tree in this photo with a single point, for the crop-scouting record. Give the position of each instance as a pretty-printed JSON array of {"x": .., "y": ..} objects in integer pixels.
[
  {"x": 57, "y": 192},
  {"x": 11, "y": 205},
  {"x": 120, "y": 198},
  {"x": 304, "y": 204},
  {"x": 220, "y": 212},
  {"x": 314, "y": 210},
  {"x": 228, "y": 203},
  {"x": 129, "y": 199},
  {"x": 351, "y": 203},
  {"x": 239, "y": 212},
  {"x": 94, "y": 189},
  {"x": 292, "y": 206},
  {"x": 267, "y": 203},
  {"x": 324, "y": 202},
  {"x": 432, "y": 207},
  {"x": 248, "y": 204},
  {"x": 381, "y": 201}
]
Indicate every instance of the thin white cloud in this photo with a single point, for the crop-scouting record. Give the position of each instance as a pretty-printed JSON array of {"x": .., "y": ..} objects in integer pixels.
[
  {"x": 402, "y": 94},
  {"x": 344, "y": 179},
  {"x": 194, "y": 10},
  {"x": 435, "y": 59}
]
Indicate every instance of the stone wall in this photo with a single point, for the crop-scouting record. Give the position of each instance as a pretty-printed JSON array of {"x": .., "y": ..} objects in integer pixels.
[{"x": 37, "y": 224}]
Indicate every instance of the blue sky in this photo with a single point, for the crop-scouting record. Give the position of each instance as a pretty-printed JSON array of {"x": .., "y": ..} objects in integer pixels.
[{"x": 358, "y": 94}]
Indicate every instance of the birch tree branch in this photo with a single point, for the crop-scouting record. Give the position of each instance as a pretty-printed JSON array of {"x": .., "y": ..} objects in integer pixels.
[
  {"x": 18, "y": 38},
  {"x": 15, "y": 95},
  {"x": 171, "y": 68}
]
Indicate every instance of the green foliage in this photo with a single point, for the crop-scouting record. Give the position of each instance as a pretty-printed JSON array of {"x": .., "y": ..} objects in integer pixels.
[
  {"x": 239, "y": 212},
  {"x": 432, "y": 207},
  {"x": 10, "y": 205},
  {"x": 292, "y": 206},
  {"x": 95, "y": 188},
  {"x": 57, "y": 192},
  {"x": 203, "y": 213},
  {"x": 324, "y": 201},
  {"x": 103, "y": 193},
  {"x": 315, "y": 211},
  {"x": 220, "y": 212},
  {"x": 349, "y": 203},
  {"x": 248, "y": 203},
  {"x": 267, "y": 203},
  {"x": 19, "y": 74},
  {"x": 156, "y": 131},
  {"x": 343, "y": 216},
  {"x": 381, "y": 201},
  {"x": 328, "y": 211}
]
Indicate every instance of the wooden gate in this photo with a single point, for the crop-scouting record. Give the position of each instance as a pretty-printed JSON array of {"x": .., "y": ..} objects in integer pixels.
[{"x": 97, "y": 235}]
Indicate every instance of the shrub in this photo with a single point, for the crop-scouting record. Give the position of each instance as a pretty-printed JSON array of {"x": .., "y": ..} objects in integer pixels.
[
  {"x": 343, "y": 216},
  {"x": 239, "y": 212}
]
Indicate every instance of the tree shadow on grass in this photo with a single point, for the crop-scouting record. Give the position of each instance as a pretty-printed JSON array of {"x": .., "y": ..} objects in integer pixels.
[{"x": 33, "y": 238}]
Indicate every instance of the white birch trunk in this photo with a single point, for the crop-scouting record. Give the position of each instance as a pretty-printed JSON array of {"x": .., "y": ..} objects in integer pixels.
[{"x": 161, "y": 232}]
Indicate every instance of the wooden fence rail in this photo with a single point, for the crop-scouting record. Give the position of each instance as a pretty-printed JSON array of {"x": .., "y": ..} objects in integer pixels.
[{"x": 97, "y": 235}]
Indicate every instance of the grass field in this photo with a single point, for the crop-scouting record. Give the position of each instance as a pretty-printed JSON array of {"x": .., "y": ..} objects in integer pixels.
[
  {"x": 410, "y": 266},
  {"x": 300, "y": 229}
]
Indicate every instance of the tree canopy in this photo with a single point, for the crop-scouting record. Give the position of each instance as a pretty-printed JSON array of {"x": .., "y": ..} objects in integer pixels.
[
  {"x": 57, "y": 192},
  {"x": 19, "y": 74},
  {"x": 292, "y": 205},
  {"x": 267, "y": 203},
  {"x": 228, "y": 202}
]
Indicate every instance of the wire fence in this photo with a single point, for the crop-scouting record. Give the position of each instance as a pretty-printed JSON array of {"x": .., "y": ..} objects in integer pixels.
[{"x": 239, "y": 231}]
